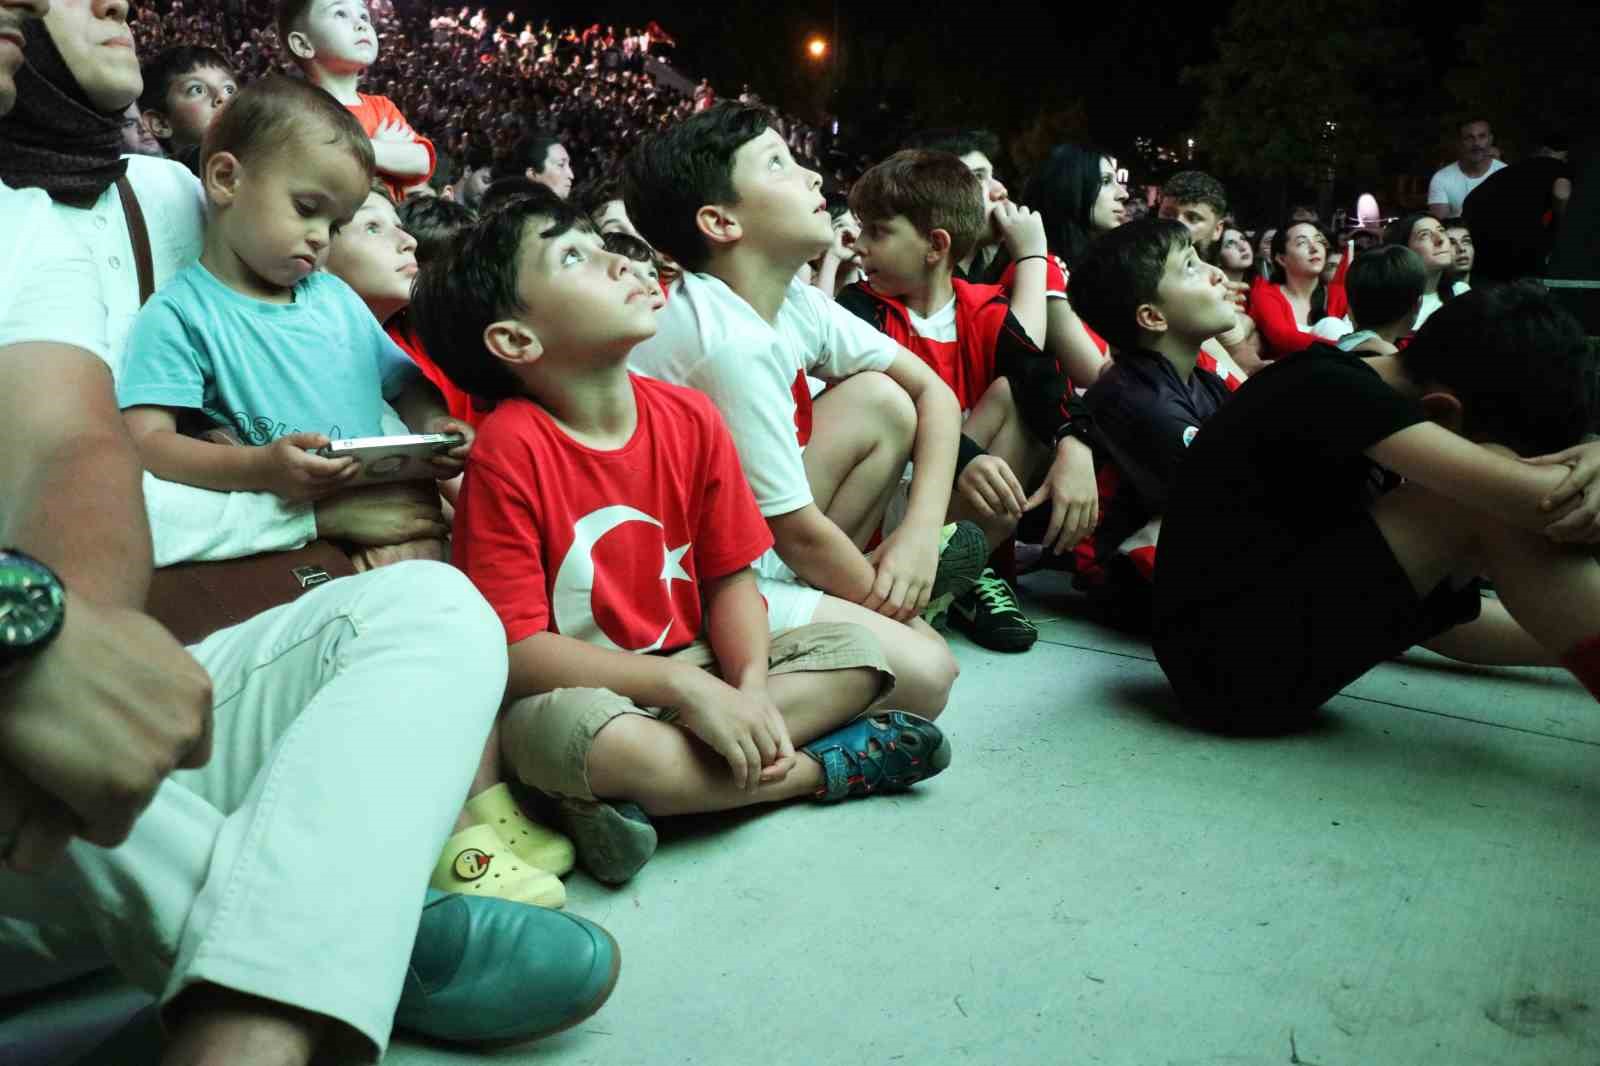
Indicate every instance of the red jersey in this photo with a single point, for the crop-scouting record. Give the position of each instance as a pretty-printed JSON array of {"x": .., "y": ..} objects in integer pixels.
[
  {"x": 458, "y": 402},
  {"x": 374, "y": 111},
  {"x": 607, "y": 547}
]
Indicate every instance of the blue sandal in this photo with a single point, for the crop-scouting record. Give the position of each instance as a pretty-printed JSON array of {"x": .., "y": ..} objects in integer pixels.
[{"x": 885, "y": 753}]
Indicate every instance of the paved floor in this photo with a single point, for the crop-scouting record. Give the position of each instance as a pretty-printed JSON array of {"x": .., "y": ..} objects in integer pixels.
[{"x": 1416, "y": 880}]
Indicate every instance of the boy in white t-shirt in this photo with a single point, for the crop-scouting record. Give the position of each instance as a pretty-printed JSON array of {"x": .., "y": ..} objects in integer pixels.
[{"x": 722, "y": 195}]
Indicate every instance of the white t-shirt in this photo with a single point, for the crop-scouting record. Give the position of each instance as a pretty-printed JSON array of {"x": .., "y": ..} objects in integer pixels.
[
  {"x": 1450, "y": 185},
  {"x": 49, "y": 289},
  {"x": 186, "y": 523},
  {"x": 709, "y": 338}
]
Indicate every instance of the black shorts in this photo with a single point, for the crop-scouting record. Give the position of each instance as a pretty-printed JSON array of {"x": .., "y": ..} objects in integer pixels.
[{"x": 1297, "y": 635}]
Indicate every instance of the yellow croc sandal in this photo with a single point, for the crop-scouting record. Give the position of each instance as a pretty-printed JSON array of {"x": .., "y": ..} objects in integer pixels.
[
  {"x": 537, "y": 845},
  {"x": 476, "y": 862}
]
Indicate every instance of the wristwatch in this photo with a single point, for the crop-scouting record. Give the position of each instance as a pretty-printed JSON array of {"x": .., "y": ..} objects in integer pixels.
[{"x": 33, "y": 605}]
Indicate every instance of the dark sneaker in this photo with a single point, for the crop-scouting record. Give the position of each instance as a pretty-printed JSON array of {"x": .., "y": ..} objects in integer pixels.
[
  {"x": 963, "y": 552},
  {"x": 885, "y": 753},
  {"x": 613, "y": 840},
  {"x": 990, "y": 615}
]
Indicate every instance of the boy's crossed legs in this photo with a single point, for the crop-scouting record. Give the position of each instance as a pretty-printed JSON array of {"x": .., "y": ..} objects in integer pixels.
[{"x": 588, "y": 745}]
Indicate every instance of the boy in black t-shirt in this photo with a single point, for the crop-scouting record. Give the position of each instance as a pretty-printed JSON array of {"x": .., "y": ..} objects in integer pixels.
[
  {"x": 1276, "y": 534},
  {"x": 1144, "y": 287}
]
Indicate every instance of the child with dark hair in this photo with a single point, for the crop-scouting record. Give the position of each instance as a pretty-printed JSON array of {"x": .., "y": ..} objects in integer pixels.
[
  {"x": 1329, "y": 580},
  {"x": 1384, "y": 287},
  {"x": 722, "y": 195},
  {"x": 601, "y": 200},
  {"x": 606, "y": 519},
  {"x": 242, "y": 339},
  {"x": 434, "y": 223},
  {"x": 185, "y": 86},
  {"x": 920, "y": 213},
  {"x": 1144, "y": 287},
  {"x": 333, "y": 42}
]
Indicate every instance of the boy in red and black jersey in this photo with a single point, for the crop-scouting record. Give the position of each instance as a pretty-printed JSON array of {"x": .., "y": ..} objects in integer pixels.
[
  {"x": 920, "y": 213},
  {"x": 1144, "y": 287}
]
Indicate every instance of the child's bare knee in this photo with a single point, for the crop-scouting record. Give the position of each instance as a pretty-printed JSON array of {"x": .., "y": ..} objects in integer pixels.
[
  {"x": 893, "y": 414},
  {"x": 927, "y": 692}
]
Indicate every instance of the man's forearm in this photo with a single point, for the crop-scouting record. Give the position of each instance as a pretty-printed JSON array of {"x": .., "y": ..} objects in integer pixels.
[{"x": 70, "y": 477}]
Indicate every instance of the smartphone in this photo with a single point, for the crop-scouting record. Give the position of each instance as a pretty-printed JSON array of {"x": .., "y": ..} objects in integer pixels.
[{"x": 400, "y": 458}]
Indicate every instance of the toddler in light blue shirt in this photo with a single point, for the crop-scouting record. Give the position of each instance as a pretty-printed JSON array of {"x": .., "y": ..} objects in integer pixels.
[{"x": 254, "y": 338}]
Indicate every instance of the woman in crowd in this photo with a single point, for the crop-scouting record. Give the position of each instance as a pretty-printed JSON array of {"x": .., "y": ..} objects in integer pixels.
[
  {"x": 1237, "y": 255},
  {"x": 1426, "y": 236},
  {"x": 1076, "y": 191},
  {"x": 1287, "y": 306}
]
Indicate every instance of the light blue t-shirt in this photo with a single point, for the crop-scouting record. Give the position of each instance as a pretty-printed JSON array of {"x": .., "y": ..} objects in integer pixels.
[{"x": 321, "y": 364}]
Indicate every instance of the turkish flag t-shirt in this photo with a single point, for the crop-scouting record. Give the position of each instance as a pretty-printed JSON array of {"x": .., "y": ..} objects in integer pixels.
[{"x": 607, "y": 547}]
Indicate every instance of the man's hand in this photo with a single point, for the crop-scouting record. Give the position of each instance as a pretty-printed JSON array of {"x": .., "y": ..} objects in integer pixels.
[
  {"x": 747, "y": 730},
  {"x": 1020, "y": 228},
  {"x": 1575, "y": 510},
  {"x": 286, "y": 468},
  {"x": 906, "y": 563},
  {"x": 93, "y": 726},
  {"x": 990, "y": 487},
  {"x": 1074, "y": 496},
  {"x": 454, "y": 461},
  {"x": 383, "y": 514},
  {"x": 431, "y": 549}
]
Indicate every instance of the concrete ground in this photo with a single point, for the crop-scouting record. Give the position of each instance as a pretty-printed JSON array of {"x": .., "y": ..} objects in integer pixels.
[{"x": 1416, "y": 880}]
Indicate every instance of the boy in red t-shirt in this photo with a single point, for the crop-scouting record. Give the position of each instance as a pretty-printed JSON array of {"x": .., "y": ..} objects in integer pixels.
[
  {"x": 334, "y": 42},
  {"x": 608, "y": 522},
  {"x": 921, "y": 212}
]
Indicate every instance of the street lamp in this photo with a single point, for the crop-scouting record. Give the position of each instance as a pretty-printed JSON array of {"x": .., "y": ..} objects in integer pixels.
[{"x": 817, "y": 47}]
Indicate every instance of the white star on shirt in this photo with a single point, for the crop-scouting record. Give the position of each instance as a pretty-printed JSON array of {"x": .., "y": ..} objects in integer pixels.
[{"x": 672, "y": 567}]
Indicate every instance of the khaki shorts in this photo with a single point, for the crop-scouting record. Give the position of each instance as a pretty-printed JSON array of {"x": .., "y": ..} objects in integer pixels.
[{"x": 546, "y": 738}]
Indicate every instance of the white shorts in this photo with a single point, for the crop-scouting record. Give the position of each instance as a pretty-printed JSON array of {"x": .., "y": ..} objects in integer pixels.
[{"x": 791, "y": 602}]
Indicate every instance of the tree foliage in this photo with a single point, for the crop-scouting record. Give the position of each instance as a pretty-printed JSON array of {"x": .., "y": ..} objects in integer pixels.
[{"x": 1305, "y": 89}]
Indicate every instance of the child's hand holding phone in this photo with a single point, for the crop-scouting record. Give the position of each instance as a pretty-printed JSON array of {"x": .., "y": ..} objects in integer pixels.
[{"x": 454, "y": 461}]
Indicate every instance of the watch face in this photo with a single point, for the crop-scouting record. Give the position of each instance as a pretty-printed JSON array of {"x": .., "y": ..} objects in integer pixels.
[{"x": 31, "y": 603}]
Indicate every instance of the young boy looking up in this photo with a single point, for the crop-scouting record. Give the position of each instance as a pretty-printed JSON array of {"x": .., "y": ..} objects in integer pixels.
[
  {"x": 921, "y": 212},
  {"x": 1144, "y": 288},
  {"x": 1200, "y": 202},
  {"x": 333, "y": 42},
  {"x": 1384, "y": 287},
  {"x": 254, "y": 338},
  {"x": 607, "y": 520},
  {"x": 722, "y": 196},
  {"x": 185, "y": 87},
  {"x": 1330, "y": 580}
]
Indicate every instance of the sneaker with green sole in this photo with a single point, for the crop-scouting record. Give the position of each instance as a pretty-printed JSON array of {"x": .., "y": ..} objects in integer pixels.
[
  {"x": 991, "y": 617},
  {"x": 963, "y": 551}
]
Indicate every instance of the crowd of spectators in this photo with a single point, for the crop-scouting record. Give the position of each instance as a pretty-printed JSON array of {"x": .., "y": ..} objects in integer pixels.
[{"x": 477, "y": 81}]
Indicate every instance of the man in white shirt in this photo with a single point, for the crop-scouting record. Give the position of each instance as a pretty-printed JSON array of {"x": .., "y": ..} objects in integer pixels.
[
  {"x": 1450, "y": 185},
  {"x": 223, "y": 783}
]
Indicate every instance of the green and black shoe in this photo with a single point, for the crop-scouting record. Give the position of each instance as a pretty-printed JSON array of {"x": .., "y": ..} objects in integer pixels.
[{"x": 990, "y": 616}]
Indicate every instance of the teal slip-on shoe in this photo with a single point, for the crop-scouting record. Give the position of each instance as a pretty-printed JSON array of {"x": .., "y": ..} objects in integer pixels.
[{"x": 489, "y": 971}]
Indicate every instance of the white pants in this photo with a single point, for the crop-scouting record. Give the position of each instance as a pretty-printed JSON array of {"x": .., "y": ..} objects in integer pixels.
[{"x": 292, "y": 866}]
